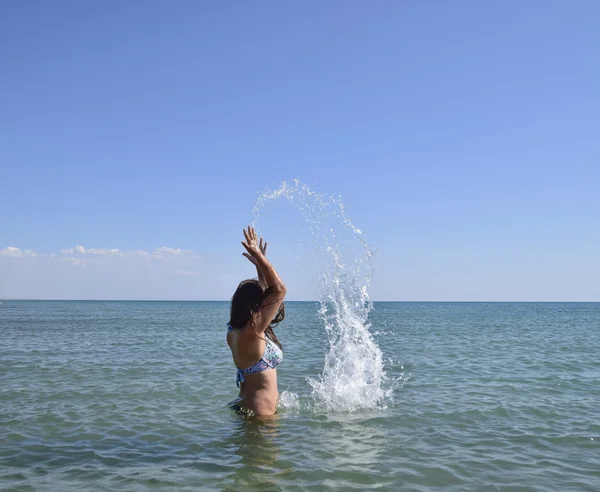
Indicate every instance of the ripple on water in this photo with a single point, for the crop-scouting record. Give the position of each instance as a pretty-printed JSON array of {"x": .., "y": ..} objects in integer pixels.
[{"x": 494, "y": 401}]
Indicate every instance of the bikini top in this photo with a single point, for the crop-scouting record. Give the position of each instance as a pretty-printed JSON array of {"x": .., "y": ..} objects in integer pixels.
[{"x": 271, "y": 357}]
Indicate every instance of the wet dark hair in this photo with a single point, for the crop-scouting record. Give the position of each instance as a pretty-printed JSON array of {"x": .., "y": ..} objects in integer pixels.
[{"x": 246, "y": 302}]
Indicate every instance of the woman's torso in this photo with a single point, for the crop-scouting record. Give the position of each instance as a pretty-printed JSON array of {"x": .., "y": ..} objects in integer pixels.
[{"x": 258, "y": 388}]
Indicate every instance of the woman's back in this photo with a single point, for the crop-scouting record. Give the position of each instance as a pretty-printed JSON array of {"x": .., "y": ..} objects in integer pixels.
[{"x": 255, "y": 359}]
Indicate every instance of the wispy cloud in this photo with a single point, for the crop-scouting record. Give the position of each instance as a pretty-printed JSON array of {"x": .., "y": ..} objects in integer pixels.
[
  {"x": 105, "y": 272},
  {"x": 13, "y": 252},
  {"x": 163, "y": 252},
  {"x": 81, "y": 250},
  {"x": 171, "y": 251},
  {"x": 80, "y": 255}
]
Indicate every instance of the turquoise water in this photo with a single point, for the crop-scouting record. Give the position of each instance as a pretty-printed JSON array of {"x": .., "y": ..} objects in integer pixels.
[{"x": 131, "y": 396}]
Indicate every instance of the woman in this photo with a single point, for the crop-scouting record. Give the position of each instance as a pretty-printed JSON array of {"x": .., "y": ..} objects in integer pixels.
[{"x": 256, "y": 307}]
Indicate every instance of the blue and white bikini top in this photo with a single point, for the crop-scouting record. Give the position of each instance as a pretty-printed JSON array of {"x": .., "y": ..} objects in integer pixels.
[{"x": 271, "y": 357}]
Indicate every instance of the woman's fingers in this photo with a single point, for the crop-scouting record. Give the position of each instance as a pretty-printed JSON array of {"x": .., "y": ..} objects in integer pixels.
[
  {"x": 264, "y": 249},
  {"x": 250, "y": 257},
  {"x": 250, "y": 235},
  {"x": 252, "y": 241},
  {"x": 247, "y": 247}
]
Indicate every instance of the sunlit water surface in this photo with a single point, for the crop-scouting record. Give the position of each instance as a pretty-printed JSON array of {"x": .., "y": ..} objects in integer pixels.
[{"x": 132, "y": 395}]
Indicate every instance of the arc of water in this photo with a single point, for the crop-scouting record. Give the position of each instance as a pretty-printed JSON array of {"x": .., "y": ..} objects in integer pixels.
[{"x": 353, "y": 374}]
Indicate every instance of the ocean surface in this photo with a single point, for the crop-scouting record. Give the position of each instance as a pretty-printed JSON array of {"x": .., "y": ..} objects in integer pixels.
[{"x": 132, "y": 396}]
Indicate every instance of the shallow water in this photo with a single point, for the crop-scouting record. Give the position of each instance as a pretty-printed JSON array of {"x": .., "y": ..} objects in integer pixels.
[{"x": 131, "y": 396}]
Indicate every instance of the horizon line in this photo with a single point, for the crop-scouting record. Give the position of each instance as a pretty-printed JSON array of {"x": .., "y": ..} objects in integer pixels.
[{"x": 5, "y": 299}]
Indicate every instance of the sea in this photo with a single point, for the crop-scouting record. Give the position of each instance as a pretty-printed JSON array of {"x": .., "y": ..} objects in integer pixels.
[{"x": 113, "y": 396}]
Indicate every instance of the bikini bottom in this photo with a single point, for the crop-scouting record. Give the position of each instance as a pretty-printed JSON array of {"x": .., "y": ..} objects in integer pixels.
[{"x": 238, "y": 407}]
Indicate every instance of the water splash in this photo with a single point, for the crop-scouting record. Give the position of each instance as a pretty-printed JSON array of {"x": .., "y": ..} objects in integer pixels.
[{"x": 353, "y": 376}]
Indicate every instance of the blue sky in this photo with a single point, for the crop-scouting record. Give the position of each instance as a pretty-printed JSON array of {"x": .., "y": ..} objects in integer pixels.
[{"x": 463, "y": 137}]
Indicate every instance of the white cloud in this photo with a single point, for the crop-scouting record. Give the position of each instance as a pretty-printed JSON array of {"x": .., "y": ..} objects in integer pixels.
[
  {"x": 81, "y": 250},
  {"x": 171, "y": 251},
  {"x": 104, "y": 252},
  {"x": 165, "y": 252},
  {"x": 12, "y": 252},
  {"x": 180, "y": 259},
  {"x": 80, "y": 272},
  {"x": 158, "y": 253},
  {"x": 71, "y": 251}
]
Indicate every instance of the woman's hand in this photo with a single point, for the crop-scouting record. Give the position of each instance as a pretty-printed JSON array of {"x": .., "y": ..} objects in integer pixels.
[{"x": 253, "y": 246}]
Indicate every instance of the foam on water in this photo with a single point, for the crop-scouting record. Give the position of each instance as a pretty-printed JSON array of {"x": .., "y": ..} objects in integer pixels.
[{"x": 353, "y": 375}]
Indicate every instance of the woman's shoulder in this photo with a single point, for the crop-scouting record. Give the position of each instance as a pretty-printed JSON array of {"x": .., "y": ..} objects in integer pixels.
[{"x": 245, "y": 333}]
